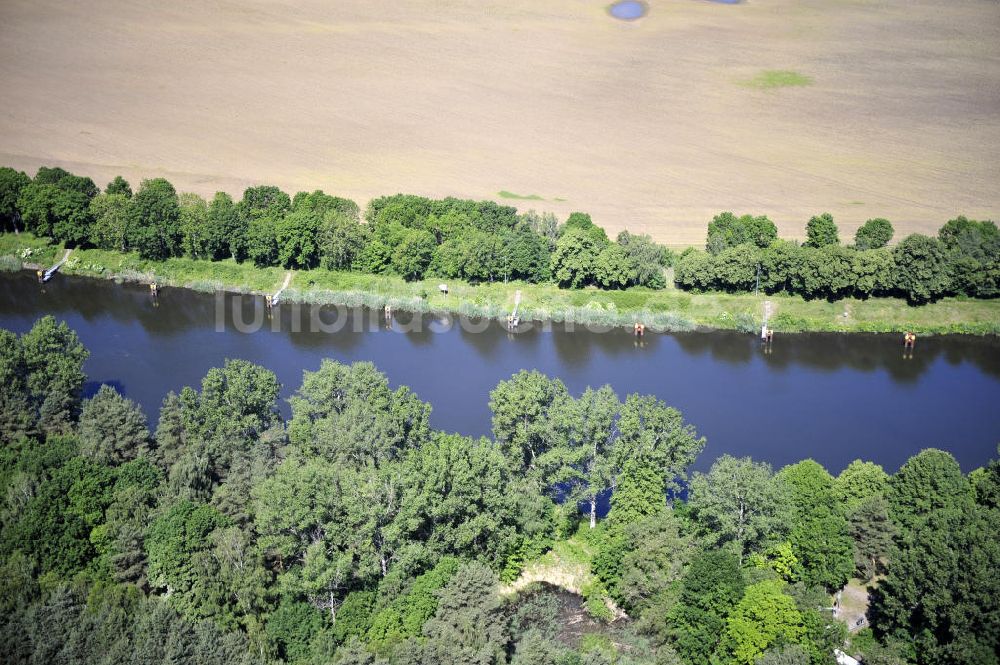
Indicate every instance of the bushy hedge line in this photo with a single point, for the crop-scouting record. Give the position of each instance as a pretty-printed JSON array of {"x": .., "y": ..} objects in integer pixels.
[
  {"x": 407, "y": 235},
  {"x": 964, "y": 259}
]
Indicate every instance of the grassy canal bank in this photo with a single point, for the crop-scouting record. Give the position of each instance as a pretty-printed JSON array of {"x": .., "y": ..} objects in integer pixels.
[{"x": 665, "y": 309}]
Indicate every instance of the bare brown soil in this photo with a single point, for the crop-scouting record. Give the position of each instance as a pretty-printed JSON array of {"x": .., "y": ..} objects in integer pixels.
[{"x": 648, "y": 125}]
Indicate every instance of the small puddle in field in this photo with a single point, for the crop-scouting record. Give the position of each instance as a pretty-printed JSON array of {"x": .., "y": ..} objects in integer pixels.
[{"x": 628, "y": 10}]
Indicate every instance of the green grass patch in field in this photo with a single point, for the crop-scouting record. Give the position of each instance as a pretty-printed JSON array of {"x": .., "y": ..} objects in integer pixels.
[
  {"x": 504, "y": 194},
  {"x": 777, "y": 78}
]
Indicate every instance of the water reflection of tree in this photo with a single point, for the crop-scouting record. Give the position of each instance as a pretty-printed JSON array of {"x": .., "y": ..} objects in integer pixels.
[
  {"x": 489, "y": 339},
  {"x": 179, "y": 310},
  {"x": 831, "y": 352},
  {"x": 21, "y": 294},
  {"x": 727, "y": 347},
  {"x": 338, "y": 330},
  {"x": 576, "y": 345}
]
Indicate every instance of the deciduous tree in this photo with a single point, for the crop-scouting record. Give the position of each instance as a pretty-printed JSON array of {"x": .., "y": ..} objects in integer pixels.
[
  {"x": 527, "y": 411},
  {"x": 197, "y": 241},
  {"x": 413, "y": 254},
  {"x": 262, "y": 241},
  {"x": 348, "y": 414},
  {"x": 225, "y": 224},
  {"x": 154, "y": 220},
  {"x": 459, "y": 499},
  {"x": 764, "y": 617},
  {"x": 17, "y": 413},
  {"x": 341, "y": 241},
  {"x": 710, "y": 589},
  {"x": 736, "y": 267},
  {"x": 648, "y": 259},
  {"x": 12, "y": 182},
  {"x": 613, "y": 269},
  {"x": 695, "y": 270},
  {"x": 119, "y": 186},
  {"x": 655, "y": 433},
  {"x": 739, "y": 502},
  {"x": 973, "y": 255},
  {"x": 860, "y": 481},
  {"x": 873, "y": 234},
  {"x": 321, "y": 204},
  {"x": 819, "y": 533},
  {"x": 574, "y": 261},
  {"x": 874, "y": 273},
  {"x": 178, "y": 547},
  {"x": 110, "y": 228},
  {"x": 587, "y": 463},
  {"x": 50, "y": 210},
  {"x": 928, "y": 482},
  {"x": 727, "y": 230},
  {"x": 296, "y": 237},
  {"x": 821, "y": 231},
  {"x": 642, "y": 561},
  {"x": 922, "y": 270}
]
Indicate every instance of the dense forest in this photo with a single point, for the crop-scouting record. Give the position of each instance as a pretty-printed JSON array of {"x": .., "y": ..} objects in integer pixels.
[
  {"x": 482, "y": 241},
  {"x": 353, "y": 532}
]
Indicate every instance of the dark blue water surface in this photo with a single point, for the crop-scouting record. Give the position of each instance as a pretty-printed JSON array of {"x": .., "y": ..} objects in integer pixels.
[
  {"x": 830, "y": 397},
  {"x": 628, "y": 10}
]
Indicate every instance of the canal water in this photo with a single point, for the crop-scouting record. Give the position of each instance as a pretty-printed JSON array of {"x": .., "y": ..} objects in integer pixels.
[{"x": 834, "y": 398}]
